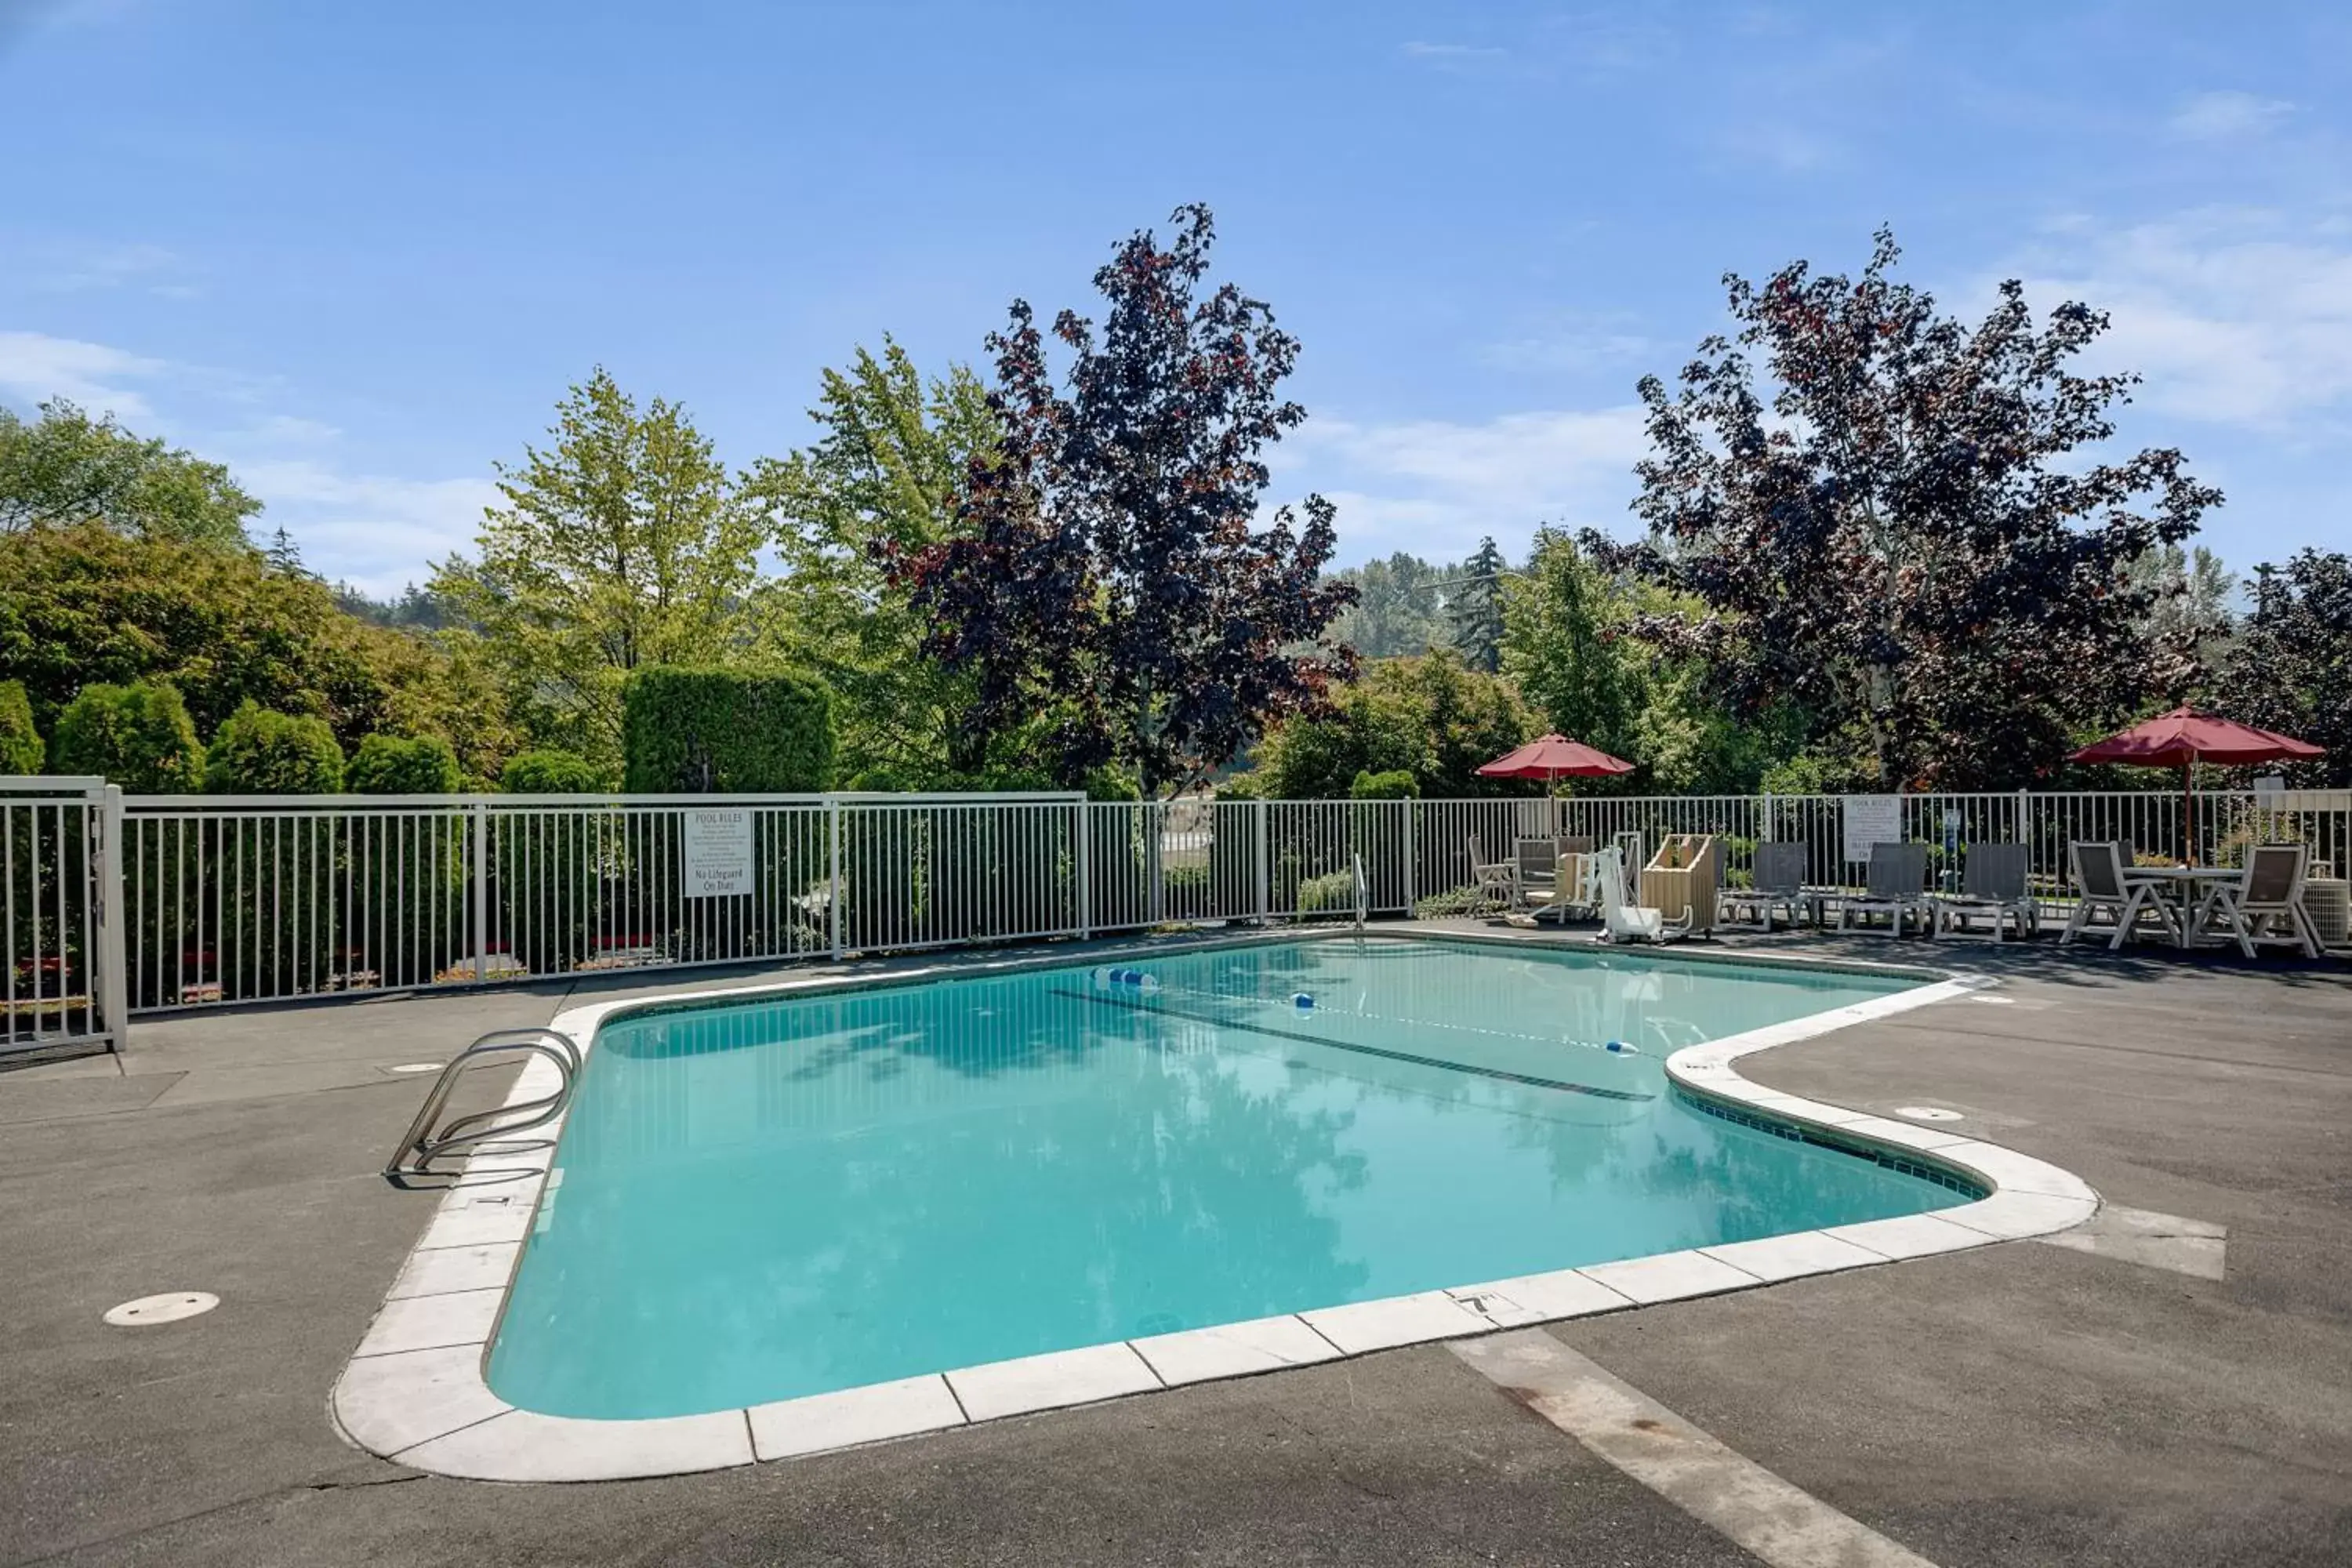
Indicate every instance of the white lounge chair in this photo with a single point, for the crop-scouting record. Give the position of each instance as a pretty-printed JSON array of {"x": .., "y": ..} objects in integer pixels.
[
  {"x": 2265, "y": 906},
  {"x": 1993, "y": 889},
  {"x": 2102, "y": 888},
  {"x": 1895, "y": 885}
]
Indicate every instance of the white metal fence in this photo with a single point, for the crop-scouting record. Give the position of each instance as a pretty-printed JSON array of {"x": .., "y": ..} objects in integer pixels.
[
  {"x": 60, "y": 928},
  {"x": 229, "y": 899}
]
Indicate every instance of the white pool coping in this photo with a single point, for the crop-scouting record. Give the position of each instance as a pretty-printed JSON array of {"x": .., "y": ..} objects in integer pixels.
[{"x": 415, "y": 1392}]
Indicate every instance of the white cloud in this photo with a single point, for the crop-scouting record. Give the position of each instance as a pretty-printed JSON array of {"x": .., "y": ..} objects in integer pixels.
[
  {"x": 377, "y": 531},
  {"x": 2233, "y": 317},
  {"x": 1454, "y": 52},
  {"x": 1570, "y": 340},
  {"x": 35, "y": 367},
  {"x": 1434, "y": 488},
  {"x": 2227, "y": 116}
]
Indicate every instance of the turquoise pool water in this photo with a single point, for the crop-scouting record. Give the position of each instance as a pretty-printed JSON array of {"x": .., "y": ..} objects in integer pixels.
[{"x": 759, "y": 1202}]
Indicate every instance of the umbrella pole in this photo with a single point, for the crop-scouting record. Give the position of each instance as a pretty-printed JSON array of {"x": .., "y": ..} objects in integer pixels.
[{"x": 2188, "y": 811}]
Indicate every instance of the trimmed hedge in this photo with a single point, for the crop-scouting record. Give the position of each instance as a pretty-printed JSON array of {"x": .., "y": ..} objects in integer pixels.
[
  {"x": 549, "y": 772},
  {"x": 138, "y": 736},
  {"x": 397, "y": 765},
  {"x": 1398, "y": 784},
  {"x": 259, "y": 751},
  {"x": 726, "y": 731},
  {"x": 21, "y": 751}
]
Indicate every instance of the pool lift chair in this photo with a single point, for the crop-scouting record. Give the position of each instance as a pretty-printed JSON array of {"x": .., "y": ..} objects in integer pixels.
[{"x": 1623, "y": 922}]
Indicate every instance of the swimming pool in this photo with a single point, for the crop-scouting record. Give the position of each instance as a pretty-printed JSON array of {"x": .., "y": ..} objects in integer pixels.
[{"x": 768, "y": 1200}]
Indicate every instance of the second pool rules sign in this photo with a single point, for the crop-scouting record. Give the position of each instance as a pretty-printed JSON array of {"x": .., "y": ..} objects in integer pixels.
[{"x": 717, "y": 854}]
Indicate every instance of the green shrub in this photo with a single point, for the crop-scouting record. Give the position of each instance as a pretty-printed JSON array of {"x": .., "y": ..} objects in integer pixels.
[
  {"x": 1241, "y": 786},
  {"x": 262, "y": 752},
  {"x": 1335, "y": 890},
  {"x": 726, "y": 731},
  {"x": 1398, "y": 784},
  {"x": 138, "y": 736},
  {"x": 1453, "y": 901},
  {"x": 21, "y": 751},
  {"x": 549, "y": 772},
  {"x": 396, "y": 764}
]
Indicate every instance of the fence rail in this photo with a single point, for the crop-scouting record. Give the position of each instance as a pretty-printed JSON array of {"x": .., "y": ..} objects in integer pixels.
[{"x": 115, "y": 906}]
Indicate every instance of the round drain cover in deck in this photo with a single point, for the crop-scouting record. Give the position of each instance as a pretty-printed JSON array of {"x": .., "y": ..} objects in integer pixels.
[
  {"x": 1927, "y": 1113},
  {"x": 168, "y": 1308},
  {"x": 415, "y": 1066}
]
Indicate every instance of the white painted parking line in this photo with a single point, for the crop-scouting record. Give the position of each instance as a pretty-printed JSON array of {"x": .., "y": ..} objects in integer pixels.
[{"x": 1754, "y": 1507}]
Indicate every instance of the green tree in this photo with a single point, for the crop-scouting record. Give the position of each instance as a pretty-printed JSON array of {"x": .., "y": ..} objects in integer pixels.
[
  {"x": 1910, "y": 536},
  {"x": 1431, "y": 717},
  {"x": 259, "y": 752},
  {"x": 403, "y": 765},
  {"x": 86, "y": 602},
  {"x": 2188, "y": 616},
  {"x": 1565, "y": 644},
  {"x": 1474, "y": 609},
  {"x": 882, "y": 478},
  {"x": 65, "y": 468},
  {"x": 138, "y": 736},
  {"x": 2290, "y": 669},
  {"x": 624, "y": 543},
  {"x": 21, "y": 750},
  {"x": 1400, "y": 607}
]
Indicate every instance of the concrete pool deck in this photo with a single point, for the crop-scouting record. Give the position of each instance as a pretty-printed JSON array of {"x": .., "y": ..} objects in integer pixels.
[{"x": 2021, "y": 1402}]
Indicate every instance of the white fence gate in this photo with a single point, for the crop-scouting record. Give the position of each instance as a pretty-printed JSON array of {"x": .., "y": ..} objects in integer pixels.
[
  {"x": 60, "y": 913},
  {"x": 116, "y": 906}
]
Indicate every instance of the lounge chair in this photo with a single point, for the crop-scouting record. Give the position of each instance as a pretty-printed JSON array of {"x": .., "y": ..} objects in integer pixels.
[
  {"x": 2102, "y": 887},
  {"x": 1536, "y": 862},
  {"x": 1493, "y": 883},
  {"x": 1993, "y": 889},
  {"x": 1777, "y": 881},
  {"x": 2265, "y": 906},
  {"x": 1896, "y": 887}
]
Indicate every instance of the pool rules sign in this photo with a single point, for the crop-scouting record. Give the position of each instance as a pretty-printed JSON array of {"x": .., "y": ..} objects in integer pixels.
[{"x": 717, "y": 854}]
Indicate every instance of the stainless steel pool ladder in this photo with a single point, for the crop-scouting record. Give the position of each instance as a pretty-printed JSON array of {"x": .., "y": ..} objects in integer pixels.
[
  {"x": 422, "y": 1145},
  {"x": 1363, "y": 893}
]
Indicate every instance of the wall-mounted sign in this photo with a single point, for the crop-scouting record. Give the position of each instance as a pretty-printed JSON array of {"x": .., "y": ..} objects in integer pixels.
[
  {"x": 717, "y": 854},
  {"x": 1872, "y": 819}
]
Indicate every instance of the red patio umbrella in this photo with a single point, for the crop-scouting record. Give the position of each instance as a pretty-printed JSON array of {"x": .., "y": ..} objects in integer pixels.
[
  {"x": 2183, "y": 738},
  {"x": 1552, "y": 757}
]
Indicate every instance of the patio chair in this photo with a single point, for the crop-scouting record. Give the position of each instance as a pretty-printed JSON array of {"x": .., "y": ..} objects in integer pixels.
[
  {"x": 1777, "y": 882},
  {"x": 1536, "y": 862},
  {"x": 2265, "y": 906},
  {"x": 1992, "y": 888},
  {"x": 1493, "y": 883},
  {"x": 1895, "y": 885},
  {"x": 2102, "y": 887}
]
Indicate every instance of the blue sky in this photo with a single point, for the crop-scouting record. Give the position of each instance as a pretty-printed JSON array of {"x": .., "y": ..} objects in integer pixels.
[{"x": 358, "y": 251}]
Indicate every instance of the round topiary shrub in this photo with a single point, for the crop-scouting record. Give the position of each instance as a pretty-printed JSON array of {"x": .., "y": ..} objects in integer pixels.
[
  {"x": 549, "y": 772},
  {"x": 138, "y": 736},
  {"x": 258, "y": 751},
  {"x": 402, "y": 764}
]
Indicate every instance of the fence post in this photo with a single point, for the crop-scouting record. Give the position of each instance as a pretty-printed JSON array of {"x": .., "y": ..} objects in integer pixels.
[
  {"x": 833, "y": 872},
  {"x": 481, "y": 889},
  {"x": 1264, "y": 895},
  {"x": 114, "y": 989},
  {"x": 1411, "y": 882},
  {"x": 1086, "y": 873},
  {"x": 1155, "y": 854}
]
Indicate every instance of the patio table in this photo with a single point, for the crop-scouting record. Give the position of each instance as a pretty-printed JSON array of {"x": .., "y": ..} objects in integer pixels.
[{"x": 2189, "y": 883}]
